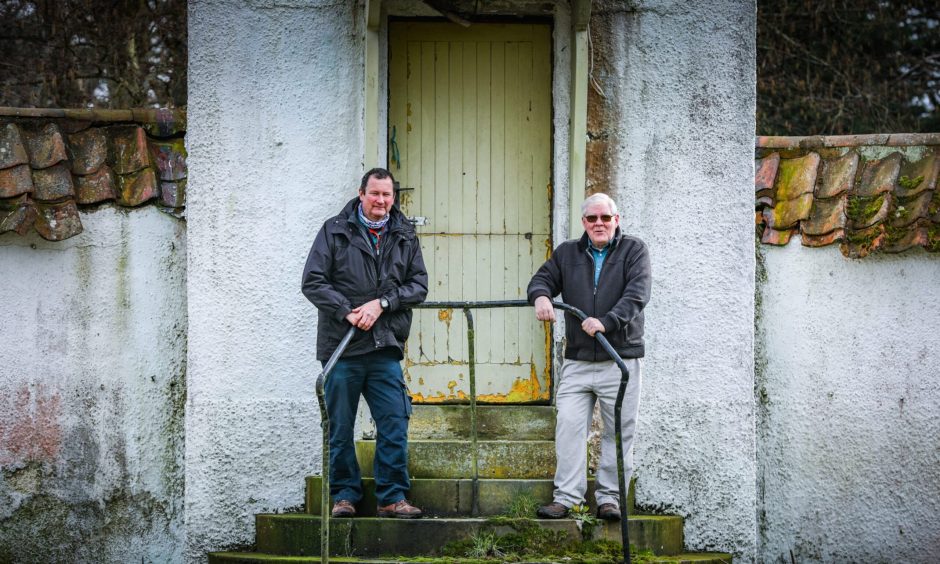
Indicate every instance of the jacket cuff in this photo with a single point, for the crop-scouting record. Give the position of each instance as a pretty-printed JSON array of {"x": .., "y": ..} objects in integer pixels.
[
  {"x": 342, "y": 311},
  {"x": 609, "y": 322},
  {"x": 393, "y": 301},
  {"x": 536, "y": 294}
]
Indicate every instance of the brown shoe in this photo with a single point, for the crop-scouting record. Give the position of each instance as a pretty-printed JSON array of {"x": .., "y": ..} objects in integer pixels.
[
  {"x": 553, "y": 510},
  {"x": 343, "y": 508},
  {"x": 608, "y": 512},
  {"x": 401, "y": 509}
]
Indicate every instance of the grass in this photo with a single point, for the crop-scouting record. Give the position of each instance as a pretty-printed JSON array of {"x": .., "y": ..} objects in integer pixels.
[{"x": 522, "y": 507}]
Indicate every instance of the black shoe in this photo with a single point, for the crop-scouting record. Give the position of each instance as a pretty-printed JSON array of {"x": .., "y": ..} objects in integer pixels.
[
  {"x": 608, "y": 512},
  {"x": 553, "y": 510}
]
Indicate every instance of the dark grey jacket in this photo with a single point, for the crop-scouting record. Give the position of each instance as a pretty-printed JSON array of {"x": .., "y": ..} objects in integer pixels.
[
  {"x": 623, "y": 290},
  {"x": 343, "y": 272}
]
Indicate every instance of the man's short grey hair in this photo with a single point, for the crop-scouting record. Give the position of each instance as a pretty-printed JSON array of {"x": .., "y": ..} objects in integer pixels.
[{"x": 599, "y": 198}]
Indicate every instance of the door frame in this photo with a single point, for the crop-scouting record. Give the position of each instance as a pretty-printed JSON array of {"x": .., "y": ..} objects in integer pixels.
[{"x": 568, "y": 101}]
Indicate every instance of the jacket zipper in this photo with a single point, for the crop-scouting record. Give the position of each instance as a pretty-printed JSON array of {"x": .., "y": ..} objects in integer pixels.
[
  {"x": 594, "y": 300},
  {"x": 381, "y": 257}
]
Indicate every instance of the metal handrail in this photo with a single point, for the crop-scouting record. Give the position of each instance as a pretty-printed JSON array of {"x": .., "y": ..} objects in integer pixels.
[{"x": 466, "y": 306}]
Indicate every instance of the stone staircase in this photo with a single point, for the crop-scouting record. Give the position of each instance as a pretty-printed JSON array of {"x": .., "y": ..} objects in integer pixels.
[{"x": 515, "y": 464}]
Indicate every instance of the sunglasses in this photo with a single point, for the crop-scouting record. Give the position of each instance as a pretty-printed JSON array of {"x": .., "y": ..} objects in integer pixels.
[{"x": 593, "y": 218}]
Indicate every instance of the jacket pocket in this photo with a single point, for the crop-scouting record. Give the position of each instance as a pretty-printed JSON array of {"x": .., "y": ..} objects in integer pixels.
[{"x": 399, "y": 324}]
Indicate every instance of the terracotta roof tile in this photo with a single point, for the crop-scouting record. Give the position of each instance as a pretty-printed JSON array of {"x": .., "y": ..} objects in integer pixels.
[
  {"x": 173, "y": 194},
  {"x": 129, "y": 151},
  {"x": 908, "y": 210},
  {"x": 169, "y": 158},
  {"x": 863, "y": 212},
  {"x": 796, "y": 177},
  {"x": 17, "y": 214},
  {"x": 861, "y": 243},
  {"x": 15, "y": 180},
  {"x": 12, "y": 149},
  {"x": 94, "y": 188},
  {"x": 772, "y": 236},
  {"x": 826, "y": 216},
  {"x": 53, "y": 183},
  {"x": 872, "y": 193},
  {"x": 58, "y": 221},
  {"x": 900, "y": 240},
  {"x": 53, "y": 161},
  {"x": 880, "y": 176},
  {"x": 89, "y": 150},
  {"x": 135, "y": 189},
  {"x": 918, "y": 176},
  {"x": 788, "y": 213},
  {"x": 766, "y": 174},
  {"x": 823, "y": 240},
  {"x": 46, "y": 146},
  {"x": 838, "y": 175}
]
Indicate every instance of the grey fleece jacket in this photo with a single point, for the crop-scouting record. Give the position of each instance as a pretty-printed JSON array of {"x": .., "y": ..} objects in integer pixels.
[{"x": 623, "y": 290}]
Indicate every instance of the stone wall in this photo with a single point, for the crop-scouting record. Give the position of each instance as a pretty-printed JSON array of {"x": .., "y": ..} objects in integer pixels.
[
  {"x": 92, "y": 391},
  {"x": 847, "y": 382}
]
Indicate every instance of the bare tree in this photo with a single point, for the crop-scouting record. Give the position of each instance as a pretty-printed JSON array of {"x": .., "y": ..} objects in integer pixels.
[
  {"x": 88, "y": 53},
  {"x": 848, "y": 66}
]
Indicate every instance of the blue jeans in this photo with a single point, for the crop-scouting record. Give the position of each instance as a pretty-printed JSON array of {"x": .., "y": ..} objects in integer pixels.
[{"x": 378, "y": 377}]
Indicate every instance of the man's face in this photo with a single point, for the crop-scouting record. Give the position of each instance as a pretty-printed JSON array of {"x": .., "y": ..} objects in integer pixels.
[
  {"x": 377, "y": 199},
  {"x": 600, "y": 232}
]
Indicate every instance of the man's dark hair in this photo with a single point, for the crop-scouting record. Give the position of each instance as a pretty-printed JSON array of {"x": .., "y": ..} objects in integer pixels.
[{"x": 378, "y": 174}]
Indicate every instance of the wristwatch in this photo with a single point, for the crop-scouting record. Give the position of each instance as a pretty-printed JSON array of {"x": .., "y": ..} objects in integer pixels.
[{"x": 384, "y": 303}]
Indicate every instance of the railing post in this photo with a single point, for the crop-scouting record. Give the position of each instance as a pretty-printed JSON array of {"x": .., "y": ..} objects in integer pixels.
[
  {"x": 325, "y": 514},
  {"x": 472, "y": 365}
]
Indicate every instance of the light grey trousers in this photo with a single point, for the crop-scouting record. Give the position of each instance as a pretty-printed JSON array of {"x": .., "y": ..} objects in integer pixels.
[{"x": 582, "y": 383}]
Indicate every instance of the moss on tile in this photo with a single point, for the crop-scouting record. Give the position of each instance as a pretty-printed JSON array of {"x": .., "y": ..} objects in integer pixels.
[
  {"x": 910, "y": 183},
  {"x": 933, "y": 238},
  {"x": 894, "y": 234},
  {"x": 862, "y": 210}
]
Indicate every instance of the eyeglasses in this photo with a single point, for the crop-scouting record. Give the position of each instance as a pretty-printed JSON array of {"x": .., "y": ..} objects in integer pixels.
[{"x": 593, "y": 218}]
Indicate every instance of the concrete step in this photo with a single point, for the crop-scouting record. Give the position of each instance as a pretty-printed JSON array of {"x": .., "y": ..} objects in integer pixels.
[
  {"x": 453, "y": 459},
  {"x": 298, "y": 534},
  {"x": 261, "y": 558},
  {"x": 450, "y": 497},
  {"x": 505, "y": 422}
]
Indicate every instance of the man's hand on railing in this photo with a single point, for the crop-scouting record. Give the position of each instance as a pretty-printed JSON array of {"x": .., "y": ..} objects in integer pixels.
[
  {"x": 592, "y": 325},
  {"x": 544, "y": 311}
]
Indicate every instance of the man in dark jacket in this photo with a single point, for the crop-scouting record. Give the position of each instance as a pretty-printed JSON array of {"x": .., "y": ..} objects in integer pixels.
[
  {"x": 365, "y": 269},
  {"x": 605, "y": 274}
]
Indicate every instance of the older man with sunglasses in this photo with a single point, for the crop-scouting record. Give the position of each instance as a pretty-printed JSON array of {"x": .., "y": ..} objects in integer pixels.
[{"x": 605, "y": 274}]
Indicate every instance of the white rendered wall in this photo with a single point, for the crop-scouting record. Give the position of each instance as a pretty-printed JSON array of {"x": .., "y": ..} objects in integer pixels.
[
  {"x": 275, "y": 146},
  {"x": 684, "y": 175},
  {"x": 849, "y": 380},
  {"x": 92, "y": 389}
]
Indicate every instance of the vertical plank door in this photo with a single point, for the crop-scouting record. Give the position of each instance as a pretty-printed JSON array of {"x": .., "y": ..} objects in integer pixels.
[{"x": 470, "y": 134}]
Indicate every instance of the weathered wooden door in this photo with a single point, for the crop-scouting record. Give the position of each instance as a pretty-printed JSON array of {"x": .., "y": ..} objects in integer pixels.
[{"x": 470, "y": 138}]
